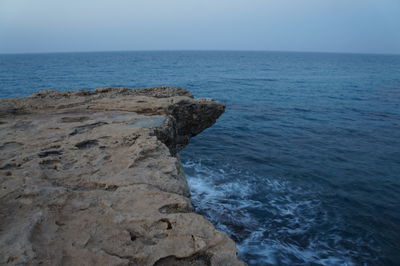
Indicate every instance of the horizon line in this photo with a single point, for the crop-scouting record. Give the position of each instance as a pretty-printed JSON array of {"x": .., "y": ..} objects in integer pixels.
[{"x": 199, "y": 50}]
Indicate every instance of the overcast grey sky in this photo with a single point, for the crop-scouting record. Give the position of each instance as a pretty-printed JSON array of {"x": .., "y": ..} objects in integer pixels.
[{"x": 362, "y": 26}]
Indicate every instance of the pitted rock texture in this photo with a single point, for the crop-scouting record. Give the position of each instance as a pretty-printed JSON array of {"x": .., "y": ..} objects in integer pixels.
[{"x": 93, "y": 178}]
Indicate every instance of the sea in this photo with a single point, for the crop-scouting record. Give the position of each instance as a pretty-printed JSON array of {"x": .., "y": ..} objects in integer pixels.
[{"x": 303, "y": 168}]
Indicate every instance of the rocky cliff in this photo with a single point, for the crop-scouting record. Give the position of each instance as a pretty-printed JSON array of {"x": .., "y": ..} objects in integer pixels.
[{"x": 93, "y": 178}]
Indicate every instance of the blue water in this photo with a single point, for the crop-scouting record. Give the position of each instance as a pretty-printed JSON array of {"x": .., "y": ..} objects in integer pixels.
[{"x": 304, "y": 166}]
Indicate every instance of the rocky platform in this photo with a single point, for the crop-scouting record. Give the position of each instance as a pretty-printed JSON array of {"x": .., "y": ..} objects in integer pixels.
[{"x": 93, "y": 178}]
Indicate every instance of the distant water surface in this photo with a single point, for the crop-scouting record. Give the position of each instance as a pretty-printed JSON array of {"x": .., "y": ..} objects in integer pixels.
[{"x": 304, "y": 166}]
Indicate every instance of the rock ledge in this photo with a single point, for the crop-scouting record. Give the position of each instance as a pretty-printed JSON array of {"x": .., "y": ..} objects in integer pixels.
[{"x": 93, "y": 178}]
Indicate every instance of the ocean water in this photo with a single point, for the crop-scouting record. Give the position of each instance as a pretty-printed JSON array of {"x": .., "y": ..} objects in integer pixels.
[{"x": 304, "y": 166}]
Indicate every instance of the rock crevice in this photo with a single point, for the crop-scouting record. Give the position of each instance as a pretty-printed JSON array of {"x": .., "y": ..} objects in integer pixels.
[{"x": 93, "y": 177}]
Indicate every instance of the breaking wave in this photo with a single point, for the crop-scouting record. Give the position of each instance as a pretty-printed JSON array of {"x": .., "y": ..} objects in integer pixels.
[{"x": 272, "y": 220}]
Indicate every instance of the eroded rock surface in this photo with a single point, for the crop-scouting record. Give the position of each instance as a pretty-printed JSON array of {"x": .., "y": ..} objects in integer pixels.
[{"x": 92, "y": 178}]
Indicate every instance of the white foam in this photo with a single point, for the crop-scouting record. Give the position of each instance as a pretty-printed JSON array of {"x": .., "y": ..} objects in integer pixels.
[{"x": 228, "y": 197}]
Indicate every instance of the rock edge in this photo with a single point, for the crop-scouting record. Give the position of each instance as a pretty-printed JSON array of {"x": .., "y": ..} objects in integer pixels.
[{"x": 93, "y": 177}]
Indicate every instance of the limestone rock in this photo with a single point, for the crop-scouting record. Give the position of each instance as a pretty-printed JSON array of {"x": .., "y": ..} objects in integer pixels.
[{"x": 93, "y": 178}]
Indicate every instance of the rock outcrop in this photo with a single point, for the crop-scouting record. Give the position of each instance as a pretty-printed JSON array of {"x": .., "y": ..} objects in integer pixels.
[{"x": 93, "y": 178}]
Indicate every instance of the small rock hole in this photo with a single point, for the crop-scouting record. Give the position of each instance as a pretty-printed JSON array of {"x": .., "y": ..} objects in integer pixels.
[
  {"x": 169, "y": 225},
  {"x": 133, "y": 236},
  {"x": 86, "y": 144}
]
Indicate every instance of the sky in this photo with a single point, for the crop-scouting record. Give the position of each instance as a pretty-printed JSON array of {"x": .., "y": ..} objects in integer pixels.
[{"x": 355, "y": 26}]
